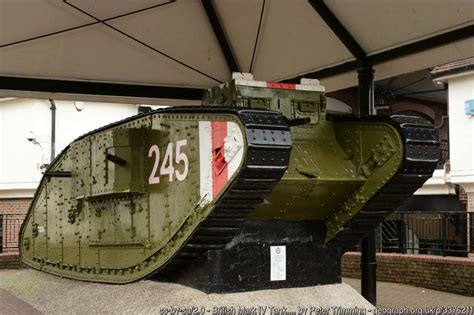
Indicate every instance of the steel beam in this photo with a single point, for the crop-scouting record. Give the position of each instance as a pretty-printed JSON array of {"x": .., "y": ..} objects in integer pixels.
[
  {"x": 395, "y": 53},
  {"x": 99, "y": 88},
  {"x": 424, "y": 44},
  {"x": 339, "y": 30},
  {"x": 220, "y": 35}
]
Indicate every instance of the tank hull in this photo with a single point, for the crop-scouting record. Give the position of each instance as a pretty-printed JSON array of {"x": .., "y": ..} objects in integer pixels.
[
  {"x": 152, "y": 193},
  {"x": 115, "y": 223}
]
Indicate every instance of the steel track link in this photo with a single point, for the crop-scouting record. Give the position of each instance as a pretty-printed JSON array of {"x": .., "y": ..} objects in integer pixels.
[{"x": 421, "y": 155}]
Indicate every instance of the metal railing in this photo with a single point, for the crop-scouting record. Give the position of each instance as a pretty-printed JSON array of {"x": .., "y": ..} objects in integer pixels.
[
  {"x": 448, "y": 233},
  {"x": 9, "y": 231}
]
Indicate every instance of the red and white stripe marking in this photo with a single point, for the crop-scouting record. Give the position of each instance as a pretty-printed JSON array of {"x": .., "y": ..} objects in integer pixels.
[
  {"x": 220, "y": 154},
  {"x": 277, "y": 85}
]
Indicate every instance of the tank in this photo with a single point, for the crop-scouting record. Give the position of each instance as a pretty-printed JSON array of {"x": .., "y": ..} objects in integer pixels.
[{"x": 150, "y": 193}]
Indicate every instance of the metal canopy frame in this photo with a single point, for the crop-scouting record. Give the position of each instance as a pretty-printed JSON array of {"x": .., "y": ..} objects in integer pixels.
[
  {"x": 99, "y": 88},
  {"x": 156, "y": 91},
  {"x": 220, "y": 35},
  {"x": 394, "y": 53},
  {"x": 339, "y": 30}
]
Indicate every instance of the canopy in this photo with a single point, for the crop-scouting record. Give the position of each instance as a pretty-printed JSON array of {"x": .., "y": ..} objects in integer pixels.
[{"x": 140, "y": 48}]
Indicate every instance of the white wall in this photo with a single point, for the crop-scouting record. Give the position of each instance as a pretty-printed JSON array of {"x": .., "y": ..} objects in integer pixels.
[
  {"x": 461, "y": 140},
  {"x": 20, "y": 160},
  {"x": 71, "y": 123},
  {"x": 461, "y": 131}
]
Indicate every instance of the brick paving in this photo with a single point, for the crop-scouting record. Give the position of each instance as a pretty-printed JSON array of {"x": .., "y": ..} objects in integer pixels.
[
  {"x": 401, "y": 295},
  {"x": 11, "y": 304}
]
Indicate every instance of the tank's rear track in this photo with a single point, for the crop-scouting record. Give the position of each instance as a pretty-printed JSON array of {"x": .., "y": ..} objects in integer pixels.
[{"x": 422, "y": 152}]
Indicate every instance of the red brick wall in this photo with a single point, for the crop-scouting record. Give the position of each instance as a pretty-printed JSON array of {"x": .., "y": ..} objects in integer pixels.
[
  {"x": 10, "y": 261},
  {"x": 14, "y": 205},
  {"x": 450, "y": 274},
  {"x": 14, "y": 211}
]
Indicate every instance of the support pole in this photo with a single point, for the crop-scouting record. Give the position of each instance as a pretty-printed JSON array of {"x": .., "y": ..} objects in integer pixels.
[
  {"x": 368, "y": 264},
  {"x": 53, "y": 130},
  {"x": 365, "y": 108},
  {"x": 366, "y": 90},
  {"x": 402, "y": 235},
  {"x": 368, "y": 268}
]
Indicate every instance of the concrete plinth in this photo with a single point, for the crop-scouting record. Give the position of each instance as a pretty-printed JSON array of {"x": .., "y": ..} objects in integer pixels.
[{"x": 266, "y": 254}]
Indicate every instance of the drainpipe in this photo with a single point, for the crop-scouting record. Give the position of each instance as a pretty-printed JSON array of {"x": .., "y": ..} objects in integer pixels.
[{"x": 53, "y": 129}]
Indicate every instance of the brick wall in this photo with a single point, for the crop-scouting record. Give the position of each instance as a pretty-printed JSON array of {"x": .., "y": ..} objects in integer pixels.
[
  {"x": 10, "y": 261},
  {"x": 13, "y": 211},
  {"x": 14, "y": 205},
  {"x": 450, "y": 274}
]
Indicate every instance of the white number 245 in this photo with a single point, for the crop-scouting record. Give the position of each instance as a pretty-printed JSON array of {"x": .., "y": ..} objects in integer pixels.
[{"x": 168, "y": 164}]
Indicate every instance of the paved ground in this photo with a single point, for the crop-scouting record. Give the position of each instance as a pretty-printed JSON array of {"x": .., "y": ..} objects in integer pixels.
[
  {"x": 32, "y": 292},
  {"x": 54, "y": 295},
  {"x": 400, "y": 295},
  {"x": 10, "y": 304}
]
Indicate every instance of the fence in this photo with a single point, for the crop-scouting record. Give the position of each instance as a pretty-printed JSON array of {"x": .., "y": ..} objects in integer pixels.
[
  {"x": 446, "y": 233},
  {"x": 9, "y": 231}
]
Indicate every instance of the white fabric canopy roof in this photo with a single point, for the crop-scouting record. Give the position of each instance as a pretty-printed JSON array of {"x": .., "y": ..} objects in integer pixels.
[{"x": 293, "y": 39}]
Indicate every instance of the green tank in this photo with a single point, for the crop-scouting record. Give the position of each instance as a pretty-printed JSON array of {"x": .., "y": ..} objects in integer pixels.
[{"x": 150, "y": 193}]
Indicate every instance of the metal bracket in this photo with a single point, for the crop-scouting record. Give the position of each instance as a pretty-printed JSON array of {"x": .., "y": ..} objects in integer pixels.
[{"x": 382, "y": 152}]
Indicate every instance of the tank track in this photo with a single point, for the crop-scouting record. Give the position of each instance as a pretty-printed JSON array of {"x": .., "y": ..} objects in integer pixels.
[
  {"x": 268, "y": 154},
  {"x": 421, "y": 155}
]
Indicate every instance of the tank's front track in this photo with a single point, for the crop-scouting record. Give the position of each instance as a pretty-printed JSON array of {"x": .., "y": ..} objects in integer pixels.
[
  {"x": 268, "y": 153},
  {"x": 266, "y": 158}
]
